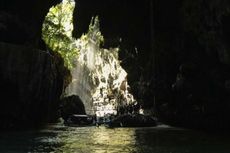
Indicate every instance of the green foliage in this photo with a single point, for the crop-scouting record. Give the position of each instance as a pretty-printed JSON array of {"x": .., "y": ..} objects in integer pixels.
[
  {"x": 94, "y": 33},
  {"x": 57, "y": 31}
]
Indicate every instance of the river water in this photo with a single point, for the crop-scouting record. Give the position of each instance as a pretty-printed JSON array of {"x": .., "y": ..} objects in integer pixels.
[{"x": 161, "y": 139}]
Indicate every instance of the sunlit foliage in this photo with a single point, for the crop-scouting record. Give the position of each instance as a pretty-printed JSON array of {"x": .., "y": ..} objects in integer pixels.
[
  {"x": 94, "y": 31},
  {"x": 93, "y": 35},
  {"x": 57, "y": 31}
]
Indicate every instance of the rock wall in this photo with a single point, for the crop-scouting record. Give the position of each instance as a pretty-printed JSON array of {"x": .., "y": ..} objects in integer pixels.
[
  {"x": 98, "y": 78},
  {"x": 188, "y": 70},
  {"x": 21, "y": 21},
  {"x": 31, "y": 80},
  {"x": 31, "y": 83},
  {"x": 184, "y": 66}
]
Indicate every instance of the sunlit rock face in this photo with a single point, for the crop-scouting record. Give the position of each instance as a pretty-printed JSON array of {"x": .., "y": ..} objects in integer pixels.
[{"x": 98, "y": 77}]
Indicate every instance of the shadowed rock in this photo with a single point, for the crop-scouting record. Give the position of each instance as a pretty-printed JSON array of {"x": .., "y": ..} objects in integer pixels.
[{"x": 71, "y": 105}]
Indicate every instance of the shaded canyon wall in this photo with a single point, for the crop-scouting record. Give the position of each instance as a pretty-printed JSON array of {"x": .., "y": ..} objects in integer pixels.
[
  {"x": 185, "y": 63},
  {"x": 32, "y": 78},
  {"x": 32, "y": 81}
]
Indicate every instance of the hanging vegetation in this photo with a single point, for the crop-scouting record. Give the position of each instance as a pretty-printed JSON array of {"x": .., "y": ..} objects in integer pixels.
[{"x": 57, "y": 31}]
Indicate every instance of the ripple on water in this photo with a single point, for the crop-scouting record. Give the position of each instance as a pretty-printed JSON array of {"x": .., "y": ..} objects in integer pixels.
[{"x": 61, "y": 139}]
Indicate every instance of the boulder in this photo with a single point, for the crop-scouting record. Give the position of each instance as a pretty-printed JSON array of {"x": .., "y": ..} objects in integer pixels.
[{"x": 71, "y": 105}]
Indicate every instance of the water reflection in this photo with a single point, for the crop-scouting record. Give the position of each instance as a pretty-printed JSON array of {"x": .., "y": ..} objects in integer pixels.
[
  {"x": 98, "y": 140},
  {"x": 114, "y": 140},
  {"x": 59, "y": 139}
]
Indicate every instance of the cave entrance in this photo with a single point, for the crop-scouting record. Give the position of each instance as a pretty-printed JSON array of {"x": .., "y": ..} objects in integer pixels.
[{"x": 97, "y": 76}]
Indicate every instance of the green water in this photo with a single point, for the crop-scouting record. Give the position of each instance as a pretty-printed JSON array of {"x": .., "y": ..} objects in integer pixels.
[{"x": 161, "y": 139}]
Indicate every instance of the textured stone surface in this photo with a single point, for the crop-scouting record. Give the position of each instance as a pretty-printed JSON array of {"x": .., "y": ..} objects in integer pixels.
[
  {"x": 190, "y": 51},
  {"x": 21, "y": 21},
  {"x": 31, "y": 85}
]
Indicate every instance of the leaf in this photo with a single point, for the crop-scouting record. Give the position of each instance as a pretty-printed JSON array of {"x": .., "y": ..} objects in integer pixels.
[{"x": 57, "y": 30}]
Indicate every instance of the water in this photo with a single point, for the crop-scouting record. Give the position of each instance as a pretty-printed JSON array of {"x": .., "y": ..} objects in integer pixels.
[{"x": 161, "y": 139}]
